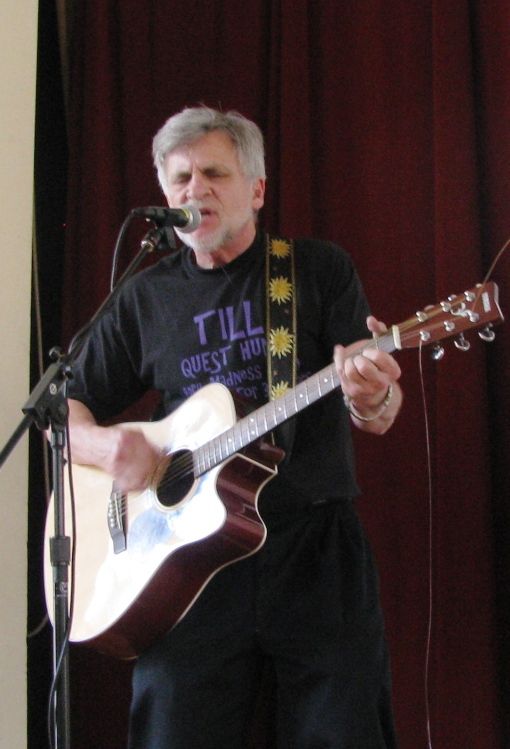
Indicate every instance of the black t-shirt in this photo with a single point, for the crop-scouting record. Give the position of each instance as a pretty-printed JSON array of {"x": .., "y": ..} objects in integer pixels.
[{"x": 176, "y": 327}]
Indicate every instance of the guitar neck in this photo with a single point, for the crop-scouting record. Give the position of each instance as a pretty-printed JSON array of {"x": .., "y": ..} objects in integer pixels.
[
  {"x": 267, "y": 417},
  {"x": 474, "y": 308}
]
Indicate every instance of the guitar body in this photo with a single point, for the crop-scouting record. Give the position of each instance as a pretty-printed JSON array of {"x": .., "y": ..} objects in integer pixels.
[{"x": 124, "y": 601}]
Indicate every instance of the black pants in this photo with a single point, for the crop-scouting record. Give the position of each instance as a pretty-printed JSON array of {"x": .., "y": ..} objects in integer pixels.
[{"x": 309, "y": 601}]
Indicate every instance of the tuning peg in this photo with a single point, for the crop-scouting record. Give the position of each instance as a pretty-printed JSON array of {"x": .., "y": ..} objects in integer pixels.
[
  {"x": 487, "y": 334},
  {"x": 437, "y": 352},
  {"x": 462, "y": 343}
]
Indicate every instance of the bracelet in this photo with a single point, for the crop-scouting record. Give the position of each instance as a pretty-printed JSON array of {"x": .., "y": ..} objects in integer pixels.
[{"x": 384, "y": 405}]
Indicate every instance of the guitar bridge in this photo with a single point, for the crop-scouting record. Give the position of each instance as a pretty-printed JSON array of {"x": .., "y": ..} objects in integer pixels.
[{"x": 116, "y": 519}]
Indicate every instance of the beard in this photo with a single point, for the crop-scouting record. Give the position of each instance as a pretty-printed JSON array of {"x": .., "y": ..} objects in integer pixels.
[
  {"x": 212, "y": 243},
  {"x": 217, "y": 239}
]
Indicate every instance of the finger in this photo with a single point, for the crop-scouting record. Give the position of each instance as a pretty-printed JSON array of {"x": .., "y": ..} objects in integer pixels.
[
  {"x": 355, "y": 366},
  {"x": 385, "y": 363},
  {"x": 339, "y": 358},
  {"x": 361, "y": 371},
  {"x": 376, "y": 326}
]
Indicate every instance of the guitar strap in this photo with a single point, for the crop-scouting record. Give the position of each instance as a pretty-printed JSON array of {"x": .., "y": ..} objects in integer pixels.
[{"x": 281, "y": 327}]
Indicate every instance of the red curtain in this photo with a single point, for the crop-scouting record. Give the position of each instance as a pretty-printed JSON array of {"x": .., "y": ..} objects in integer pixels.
[{"x": 387, "y": 131}]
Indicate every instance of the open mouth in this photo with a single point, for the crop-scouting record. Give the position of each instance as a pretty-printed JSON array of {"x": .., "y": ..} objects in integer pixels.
[
  {"x": 205, "y": 212},
  {"x": 206, "y": 215}
]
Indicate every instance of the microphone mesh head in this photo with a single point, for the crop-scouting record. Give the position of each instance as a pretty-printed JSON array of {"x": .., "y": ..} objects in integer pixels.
[{"x": 194, "y": 219}]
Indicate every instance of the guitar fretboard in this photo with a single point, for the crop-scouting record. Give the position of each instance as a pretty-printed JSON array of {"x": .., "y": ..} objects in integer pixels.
[{"x": 265, "y": 418}]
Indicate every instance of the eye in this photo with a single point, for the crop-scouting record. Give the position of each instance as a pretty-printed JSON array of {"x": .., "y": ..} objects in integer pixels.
[
  {"x": 180, "y": 179},
  {"x": 215, "y": 173}
]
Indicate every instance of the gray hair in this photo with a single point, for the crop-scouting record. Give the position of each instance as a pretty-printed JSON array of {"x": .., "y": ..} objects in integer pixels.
[{"x": 192, "y": 123}]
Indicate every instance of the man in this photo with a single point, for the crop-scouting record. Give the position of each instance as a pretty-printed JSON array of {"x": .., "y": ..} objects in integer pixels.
[{"x": 307, "y": 602}]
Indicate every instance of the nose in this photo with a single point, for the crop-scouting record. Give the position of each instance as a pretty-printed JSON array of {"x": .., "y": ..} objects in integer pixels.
[{"x": 198, "y": 186}]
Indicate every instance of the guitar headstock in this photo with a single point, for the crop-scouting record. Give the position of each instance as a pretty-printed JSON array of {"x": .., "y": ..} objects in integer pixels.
[{"x": 476, "y": 308}]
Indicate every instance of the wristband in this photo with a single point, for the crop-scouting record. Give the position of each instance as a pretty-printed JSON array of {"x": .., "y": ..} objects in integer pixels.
[{"x": 384, "y": 405}]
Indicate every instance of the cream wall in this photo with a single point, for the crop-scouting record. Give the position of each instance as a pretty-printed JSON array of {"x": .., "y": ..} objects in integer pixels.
[{"x": 18, "y": 46}]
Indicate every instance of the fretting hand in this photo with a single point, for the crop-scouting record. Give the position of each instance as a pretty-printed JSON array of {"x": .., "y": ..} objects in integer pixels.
[{"x": 368, "y": 377}]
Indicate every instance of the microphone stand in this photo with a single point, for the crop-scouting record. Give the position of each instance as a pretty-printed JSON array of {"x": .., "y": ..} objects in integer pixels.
[{"x": 47, "y": 408}]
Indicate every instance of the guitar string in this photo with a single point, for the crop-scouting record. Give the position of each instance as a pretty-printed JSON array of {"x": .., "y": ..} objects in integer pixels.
[{"x": 184, "y": 465}]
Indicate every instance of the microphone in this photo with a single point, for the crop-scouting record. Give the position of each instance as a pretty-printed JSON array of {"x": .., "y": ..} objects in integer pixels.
[{"x": 187, "y": 218}]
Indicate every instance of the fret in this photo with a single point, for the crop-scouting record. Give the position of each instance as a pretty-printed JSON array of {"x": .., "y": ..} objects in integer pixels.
[
  {"x": 230, "y": 441},
  {"x": 316, "y": 388},
  {"x": 245, "y": 432},
  {"x": 240, "y": 439},
  {"x": 223, "y": 448},
  {"x": 207, "y": 456},
  {"x": 222, "y": 444},
  {"x": 199, "y": 460},
  {"x": 195, "y": 457},
  {"x": 197, "y": 463},
  {"x": 279, "y": 411},
  {"x": 264, "y": 419},
  {"x": 387, "y": 342},
  {"x": 214, "y": 452},
  {"x": 311, "y": 389},
  {"x": 291, "y": 402},
  {"x": 272, "y": 414},
  {"x": 233, "y": 439},
  {"x": 300, "y": 396},
  {"x": 210, "y": 454},
  {"x": 230, "y": 435},
  {"x": 264, "y": 415},
  {"x": 214, "y": 443},
  {"x": 261, "y": 421},
  {"x": 323, "y": 380},
  {"x": 252, "y": 425}
]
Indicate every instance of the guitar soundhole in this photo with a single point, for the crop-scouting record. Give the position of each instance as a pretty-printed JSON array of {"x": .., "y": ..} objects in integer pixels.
[{"x": 177, "y": 479}]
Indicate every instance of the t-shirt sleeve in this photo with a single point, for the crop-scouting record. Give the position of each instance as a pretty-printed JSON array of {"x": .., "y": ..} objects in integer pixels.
[
  {"x": 105, "y": 376},
  {"x": 345, "y": 302},
  {"x": 333, "y": 301}
]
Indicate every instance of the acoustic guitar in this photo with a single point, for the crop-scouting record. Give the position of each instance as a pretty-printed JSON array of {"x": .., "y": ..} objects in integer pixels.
[{"x": 143, "y": 558}]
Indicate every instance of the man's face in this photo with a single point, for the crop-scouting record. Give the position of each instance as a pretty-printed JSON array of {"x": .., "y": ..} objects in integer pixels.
[{"x": 207, "y": 173}]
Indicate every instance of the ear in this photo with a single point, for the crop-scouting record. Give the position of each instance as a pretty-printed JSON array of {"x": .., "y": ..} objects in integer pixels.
[{"x": 258, "y": 192}]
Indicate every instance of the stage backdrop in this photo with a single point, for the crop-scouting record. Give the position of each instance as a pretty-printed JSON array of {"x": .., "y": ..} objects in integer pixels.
[{"x": 387, "y": 131}]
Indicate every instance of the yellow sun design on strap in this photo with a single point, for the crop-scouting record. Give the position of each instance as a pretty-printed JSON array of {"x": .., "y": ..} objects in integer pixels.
[
  {"x": 280, "y": 247},
  {"x": 280, "y": 289},
  {"x": 280, "y": 342},
  {"x": 279, "y": 389}
]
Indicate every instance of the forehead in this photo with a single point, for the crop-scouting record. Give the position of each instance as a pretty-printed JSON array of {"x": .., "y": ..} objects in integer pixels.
[{"x": 215, "y": 148}]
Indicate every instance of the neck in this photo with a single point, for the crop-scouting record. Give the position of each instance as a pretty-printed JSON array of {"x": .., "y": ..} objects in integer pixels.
[{"x": 229, "y": 249}]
